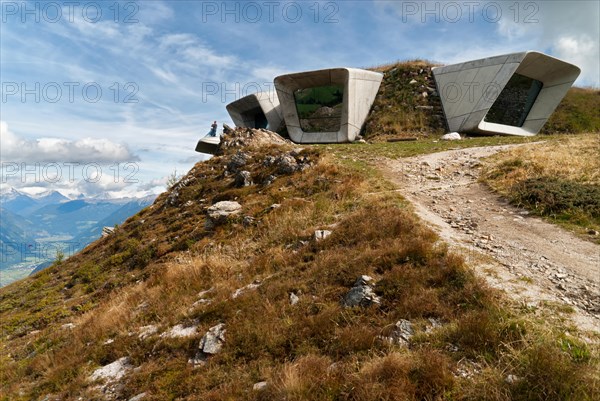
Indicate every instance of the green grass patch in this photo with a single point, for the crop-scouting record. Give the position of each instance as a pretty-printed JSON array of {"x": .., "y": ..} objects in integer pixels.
[{"x": 396, "y": 150}]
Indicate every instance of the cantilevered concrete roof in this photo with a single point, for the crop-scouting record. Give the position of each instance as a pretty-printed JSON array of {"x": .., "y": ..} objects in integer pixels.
[
  {"x": 359, "y": 90},
  {"x": 250, "y": 111},
  {"x": 469, "y": 90}
]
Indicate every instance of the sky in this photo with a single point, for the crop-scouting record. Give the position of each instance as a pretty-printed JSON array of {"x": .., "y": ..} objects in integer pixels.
[{"x": 108, "y": 98}]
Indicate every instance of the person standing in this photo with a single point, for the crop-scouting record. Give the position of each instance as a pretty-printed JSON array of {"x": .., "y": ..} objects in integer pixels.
[{"x": 213, "y": 129}]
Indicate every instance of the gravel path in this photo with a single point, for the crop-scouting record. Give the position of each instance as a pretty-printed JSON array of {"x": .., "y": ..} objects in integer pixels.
[{"x": 530, "y": 259}]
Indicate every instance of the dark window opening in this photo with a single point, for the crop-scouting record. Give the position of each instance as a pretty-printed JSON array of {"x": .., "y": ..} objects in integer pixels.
[
  {"x": 256, "y": 118},
  {"x": 515, "y": 101},
  {"x": 320, "y": 108}
]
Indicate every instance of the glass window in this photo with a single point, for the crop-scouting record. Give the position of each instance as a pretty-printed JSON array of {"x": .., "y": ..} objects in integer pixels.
[
  {"x": 515, "y": 101},
  {"x": 320, "y": 108}
]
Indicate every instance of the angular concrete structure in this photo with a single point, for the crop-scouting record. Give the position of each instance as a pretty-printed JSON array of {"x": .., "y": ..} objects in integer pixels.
[
  {"x": 513, "y": 94},
  {"x": 258, "y": 110},
  {"x": 327, "y": 106},
  {"x": 208, "y": 144}
]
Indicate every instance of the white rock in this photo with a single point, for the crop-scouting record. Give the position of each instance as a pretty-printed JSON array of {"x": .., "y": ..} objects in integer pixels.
[
  {"x": 242, "y": 290},
  {"x": 138, "y": 397},
  {"x": 180, "y": 331},
  {"x": 221, "y": 210},
  {"x": 113, "y": 371},
  {"x": 68, "y": 326},
  {"x": 259, "y": 386},
  {"x": 212, "y": 341},
  {"x": 147, "y": 331},
  {"x": 321, "y": 234},
  {"x": 294, "y": 299},
  {"x": 224, "y": 208},
  {"x": 452, "y": 136}
]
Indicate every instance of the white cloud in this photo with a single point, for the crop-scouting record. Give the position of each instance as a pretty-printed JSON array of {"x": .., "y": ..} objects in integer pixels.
[
  {"x": 564, "y": 28},
  {"x": 583, "y": 52},
  {"x": 568, "y": 30},
  {"x": 86, "y": 150},
  {"x": 189, "y": 48}
]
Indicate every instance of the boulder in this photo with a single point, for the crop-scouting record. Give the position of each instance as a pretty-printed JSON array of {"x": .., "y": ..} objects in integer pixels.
[
  {"x": 238, "y": 161},
  {"x": 113, "y": 371},
  {"x": 221, "y": 211}
]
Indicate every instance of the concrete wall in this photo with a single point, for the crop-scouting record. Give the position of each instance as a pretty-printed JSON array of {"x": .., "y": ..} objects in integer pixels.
[
  {"x": 468, "y": 90},
  {"x": 360, "y": 89},
  {"x": 243, "y": 111}
]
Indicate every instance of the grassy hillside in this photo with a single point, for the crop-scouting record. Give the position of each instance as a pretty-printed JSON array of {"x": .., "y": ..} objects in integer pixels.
[
  {"x": 165, "y": 267},
  {"x": 407, "y": 104},
  {"x": 578, "y": 112}
]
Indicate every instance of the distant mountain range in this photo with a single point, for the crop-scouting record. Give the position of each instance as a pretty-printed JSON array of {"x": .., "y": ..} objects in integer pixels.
[{"x": 53, "y": 221}]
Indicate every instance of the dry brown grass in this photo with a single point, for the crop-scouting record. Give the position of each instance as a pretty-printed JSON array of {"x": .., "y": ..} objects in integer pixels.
[
  {"x": 573, "y": 158},
  {"x": 559, "y": 179}
]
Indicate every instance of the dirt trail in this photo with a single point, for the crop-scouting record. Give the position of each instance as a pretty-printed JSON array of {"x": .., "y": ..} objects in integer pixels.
[{"x": 532, "y": 260}]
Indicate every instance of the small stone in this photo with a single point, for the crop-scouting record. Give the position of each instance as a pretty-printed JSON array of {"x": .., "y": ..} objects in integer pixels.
[
  {"x": 146, "y": 331},
  {"x": 286, "y": 164},
  {"x": 294, "y": 299},
  {"x": 68, "y": 326},
  {"x": 248, "y": 221},
  {"x": 452, "y": 136},
  {"x": 511, "y": 379},
  {"x": 321, "y": 234},
  {"x": 259, "y": 386},
  {"x": 269, "y": 180},
  {"x": 402, "y": 333},
  {"x": 412, "y": 82},
  {"x": 138, "y": 397},
  {"x": 243, "y": 179},
  {"x": 296, "y": 152},
  {"x": 242, "y": 290},
  {"x": 361, "y": 294}
]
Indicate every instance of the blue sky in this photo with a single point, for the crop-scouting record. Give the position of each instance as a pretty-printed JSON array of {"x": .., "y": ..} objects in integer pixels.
[{"x": 129, "y": 87}]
